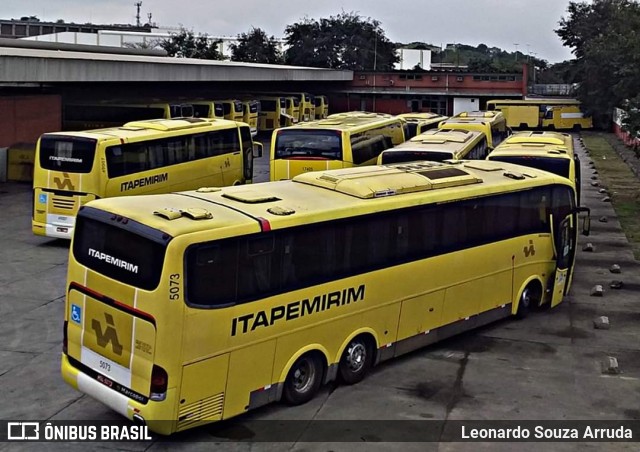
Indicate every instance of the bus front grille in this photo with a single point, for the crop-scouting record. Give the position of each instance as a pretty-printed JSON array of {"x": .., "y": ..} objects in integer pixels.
[
  {"x": 209, "y": 409},
  {"x": 60, "y": 202}
]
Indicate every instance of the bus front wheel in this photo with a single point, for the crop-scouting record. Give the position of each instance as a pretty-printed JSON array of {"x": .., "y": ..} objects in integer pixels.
[
  {"x": 530, "y": 298},
  {"x": 303, "y": 380},
  {"x": 356, "y": 360}
]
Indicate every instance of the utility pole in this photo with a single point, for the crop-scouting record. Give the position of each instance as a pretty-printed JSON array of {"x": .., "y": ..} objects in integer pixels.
[
  {"x": 138, "y": 5},
  {"x": 516, "y": 44}
]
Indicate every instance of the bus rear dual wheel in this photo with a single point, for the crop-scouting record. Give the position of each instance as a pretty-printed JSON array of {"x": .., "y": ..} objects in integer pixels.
[{"x": 305, "y": 376}]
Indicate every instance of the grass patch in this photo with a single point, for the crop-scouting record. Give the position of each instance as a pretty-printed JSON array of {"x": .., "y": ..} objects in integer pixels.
[{"x": 621, "y": 183}]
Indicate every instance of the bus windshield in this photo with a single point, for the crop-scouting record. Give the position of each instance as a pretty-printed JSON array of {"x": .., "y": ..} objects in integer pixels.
[
  {"x": 559, "y": 166},
  {"x": 68, "y": 154},
  {"x": 308, "y": 144},
  {"x": 125, "y": 256}
]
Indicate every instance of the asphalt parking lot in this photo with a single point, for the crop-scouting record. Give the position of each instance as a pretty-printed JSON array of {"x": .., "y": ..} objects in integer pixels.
[{"x": 549, "y": 366}]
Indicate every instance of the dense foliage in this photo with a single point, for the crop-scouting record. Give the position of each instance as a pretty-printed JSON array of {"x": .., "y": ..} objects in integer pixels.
[
  {"x": 256, "y": 47},
  {"x": 185, "y": 44},
  {"x": 605, "y": 38},
  {"x": 344, "y": 41}
]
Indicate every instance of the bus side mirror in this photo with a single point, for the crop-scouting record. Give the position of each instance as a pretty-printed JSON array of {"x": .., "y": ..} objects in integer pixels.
[
  {"x": 257, "y": 150},
  {"x": 586, "y": 225},
  {"x": 586, "y": 220}
]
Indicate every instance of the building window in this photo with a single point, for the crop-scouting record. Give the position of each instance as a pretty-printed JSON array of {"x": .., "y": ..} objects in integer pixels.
[
  {"x": 459, "y": 78},
  {"x": 434, "y": 78}
]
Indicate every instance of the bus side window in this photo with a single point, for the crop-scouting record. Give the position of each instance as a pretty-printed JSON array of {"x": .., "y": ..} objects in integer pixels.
[
  {"x": 200, "y": 145},
  {"x": 258, "y": 267},
  {"x": 212, "y": 270}
]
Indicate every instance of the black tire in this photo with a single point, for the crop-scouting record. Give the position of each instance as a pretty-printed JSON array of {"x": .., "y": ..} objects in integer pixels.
[
  {"x": 356, "y": 360},
  {"x": 526, "y": 301},
  {"x": 303, "y": 381}
]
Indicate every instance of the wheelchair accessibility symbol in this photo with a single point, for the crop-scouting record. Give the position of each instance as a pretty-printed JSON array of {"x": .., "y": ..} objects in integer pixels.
[{"x": 76, "y": 314}]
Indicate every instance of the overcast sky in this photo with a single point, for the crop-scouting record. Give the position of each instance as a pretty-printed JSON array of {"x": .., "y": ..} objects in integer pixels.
[{"x": 499, "y": 23}]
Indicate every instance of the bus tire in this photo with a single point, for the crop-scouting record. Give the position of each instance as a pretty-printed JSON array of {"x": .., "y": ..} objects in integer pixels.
[
  {"x": 528, "y": 299},
  {"x": 303, "y": 380},
  {"x": 356, "y": 360}
]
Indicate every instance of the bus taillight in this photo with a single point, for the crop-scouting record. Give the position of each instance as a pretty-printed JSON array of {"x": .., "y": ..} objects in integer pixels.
[
  {"x": 159, "y": 382},
  {"x": 65, "y": 338}
]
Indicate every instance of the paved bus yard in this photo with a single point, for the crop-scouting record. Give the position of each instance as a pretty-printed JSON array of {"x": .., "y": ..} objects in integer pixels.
[{"x": 550, "y": 366}]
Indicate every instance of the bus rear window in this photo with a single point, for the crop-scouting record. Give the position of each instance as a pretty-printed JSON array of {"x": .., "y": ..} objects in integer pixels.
[
  {"x": 268, "y": 105},
  {"x": 68, "y": 154},
  {"x": 126, "y": 255},
  {"x": 559, "y": 166},
  {"x": 412, "y": 156},
  {"x": 326, "y": 144}
]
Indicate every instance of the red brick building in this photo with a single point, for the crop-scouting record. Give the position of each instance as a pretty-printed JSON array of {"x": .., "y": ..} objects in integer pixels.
[{"x": 444, "y": 91}]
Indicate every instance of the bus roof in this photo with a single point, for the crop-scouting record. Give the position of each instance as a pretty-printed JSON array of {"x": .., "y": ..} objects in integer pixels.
[
  {"x": 419, "y": 117},
  {"x": 487, "y": 115},
  {"x": 551, "y": 144},
  {"x": 546, "y": 137},
  {"x": 346, "y": 121},
  {"x": 137, "y": 129},
  {"x": 321, "y": 196},
  {"x": 441, "y": 139}
]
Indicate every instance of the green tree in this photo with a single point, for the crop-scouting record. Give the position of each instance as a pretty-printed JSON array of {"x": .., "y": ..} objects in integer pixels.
[
  {"x": 256, "y": 47},
  {"x": 344, "y": 41},
  {"x": 605, "y": 38},
  {"x": 185, "y": 44}
]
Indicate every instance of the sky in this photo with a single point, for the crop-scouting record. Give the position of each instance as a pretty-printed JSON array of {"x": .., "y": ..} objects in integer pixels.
[{"x": 524, "y": 25}]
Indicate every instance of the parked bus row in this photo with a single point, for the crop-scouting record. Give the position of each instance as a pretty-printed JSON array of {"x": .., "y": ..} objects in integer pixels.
[
  {"x": 553, "y": 114},
  {"x": 262, "y": 112},
  {"x": 359, "y": 138},
  {"x": 159, "y": 156}
]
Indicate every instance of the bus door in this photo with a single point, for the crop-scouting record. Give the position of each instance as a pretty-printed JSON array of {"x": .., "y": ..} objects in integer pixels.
[
  {"x": 564, "y": 243},
  {"x": 563, "y": 246}
]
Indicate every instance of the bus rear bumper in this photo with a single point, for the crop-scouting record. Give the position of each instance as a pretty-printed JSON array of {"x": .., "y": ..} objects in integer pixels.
[{"x": 156, "y": 416}]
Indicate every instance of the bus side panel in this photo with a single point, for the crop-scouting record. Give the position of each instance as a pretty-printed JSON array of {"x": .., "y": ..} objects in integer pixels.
[
  {"x": 243, "y": 379},
  {"x": 202, "y": 393},
  {"x": 472, "y": 293},
  {"x": 517, "y": 116},
  {"x": 420, "y": 314}
]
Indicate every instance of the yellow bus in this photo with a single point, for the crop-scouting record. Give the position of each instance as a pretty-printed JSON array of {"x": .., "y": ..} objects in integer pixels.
[
  {"x": 207, "y": 109},
  {"x": 273, "y": 113},
  {"x": 340, "y": 141},
  {"x": 549, "y": 151},
  {"x": 111, "y": 114},
  {"x": 250, "y": 109},
  {"x": 438, "y": 145},
  {"x": 155, "y": 156},
  {"x": 188, "y": 308},
  {"x": 491, "y": 123},
  {"x": 530, "y": 113},
  {"x": 322, "y": 106},
  {"x": 293, "y": 108},
  {"x": 233, "y": 109},
  {"x": 566, "y": 117},
  {"x": 418, "y": 123}
]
